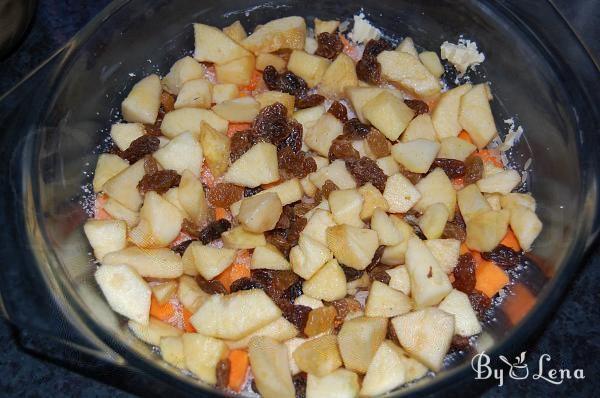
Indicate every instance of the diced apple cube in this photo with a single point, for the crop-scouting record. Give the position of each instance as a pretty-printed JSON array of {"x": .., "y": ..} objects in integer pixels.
[
  {"x": 309, "y": 256},
  {"x": 388, "y": 233},
  {"x": 455, "y": 148},
  {"x": 325, "y": 26},
  {"x": 126, "y": 292},
  {"x": 270, "y": 366},
  {"x": 268, "y": 257},
  {"x": 465, "y": 320},
  {"x": 164, "y": 291},
  {"x": 308, "y": 301},
  {"x": 189, "y": 120},
  {"x": 106, "y": 236},
  {"x": 445, "y": 114},
  {"x": 502, "y": 182},
  {"x": 328, "y": 283},
  {"x": 195, "y": 94},
  {"x": 386, "y": 371},
  {"x": 485, "y": 230},
  {"x": 525, "y": 224},
  {"x": 352, "y": 246},
  {"x": 445, "y": 251},
  {"x": 513, "y": 199},
  {"x": 239, "y": 238},
  {"x": 308, "y": 117},
  {"x": 432, "y": 62},
  {"x": 389, "y": 114},
  {"x": 409, "y": 73},
  {"x": 320, "y": 136},
  {"x": 388, "y": 165},
  {"x": 277, "y": 34},
  {"x": 238, "y": 110},
  {"x": 255, "y": 167},
  {"x": 123, "y": 134},
  {"x": 407, "y": 45},
  {"x": 346, "y": 205},
  {"x": 280, "y": 330},
  {"x": 160, "y": 223},
  {"x": 494, "y": 200},
  {"x": 471, "y": 201},
  {"x": 319, "y": 356},
  {"x": 211, "y": 261},
  {"x": 417, "y": 155},
  {"x": 400, "y": 194},
  {"x": 189, "y": 294},
  {"x": 317, "y": 225},
  {"x": 153, "y": 331},
  {"x": 372, "y": 200},
  {"x": 399, "y": 279},
  {"x": 215, "y": 146},
  {"x": 359, "y": 339},
  {"x": 151, "y": 263},
  {"x": 340, "y": 74},
  {"x": 171, "y": 350},
  {"x": 202, "y": 354},
  {"x": 420, "y": 128},
  {"x": 184, "y": 70},
  {"x": 336, "y": 172},
  {"x": 108, "y": 166},
  {"x": 119, "y": 212},
  {"x": 224, "y": 91},
  {"x": 235, "y": 31},
  {"x": 433, "y": 220},
  {"x": 184, "y": 152},
  {"x": 289, "y": 191},
  {"x": 212, "y": 45},
  {"x": 260, "y": 213},
  {"x": 386, "y": 302},
  {"x": 436, "y": 187},
  {"x": 265, "y": 59},
  {"x": 238, "y": 71},
  {"x": 476, "y": 117},
  {"x": 307, "y": 66},
  {"x": 271, "y": 97},
  {"x": 393, "y": 255},
  {"x": 123, "y": 186},
  {"x": 143, "y": 101},
  {"x": 414, "y": 369},
  {"x": 340, "y": 383},
  {"x": 360, "y": 96},
  {"x": 191, "y": 197}
]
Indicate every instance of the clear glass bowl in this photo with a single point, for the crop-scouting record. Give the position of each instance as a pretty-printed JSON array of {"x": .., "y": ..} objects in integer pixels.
[{"x": 54, "y": 122}]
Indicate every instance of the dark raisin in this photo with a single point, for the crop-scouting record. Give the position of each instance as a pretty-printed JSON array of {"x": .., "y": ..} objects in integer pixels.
[
  {"x": 225, "y": 194},
  {"x": 503, "y": 256},
  {"x": 300, "y": 209},
  {"x": 309, "y": 101},
  {"x": 414, "y": 178},
  {"x": 293, "y": 291},
  {"x": 366, "y": 170},
  {"x": 297, "y": 315},
  {"x": 294, "y": 138},
  {"x": 278, "y": 238},
  {"x": 190, "y": 228},
  {"x": 150, "y": 165},
  {"x": 355, "y": 130},
  {"x": 299, "y": 381},
  {"x": 459, "y": 343},
  {"x": 369, "y": 70},
  {"x": 277, "y": 280},
  {"x": 452, "y": 167},
  {"x": 214, "y": 230},
  {"x": 292, "y": 84},
  {"x": 244, "y": 284},
  {"x": 464, "y": 273},
  {"x": 329, "y": 45},
  {"x": 341, "y": 148},
  {"x": 140, "y": 147},
  {"x": 271, "y": 77},
  {"x": 375, "y": 47},
  {"x": 480, "y": 303},
  {"x": 285, "y": 220},
  {"x": 338, "y": 110},
  {"x": 182, "y": 247},
  {"x": 160, "y": 181},
  {"x": 375, "y": 261},
  {"x": 271, "y": 124},
  {"x": 153, "y": 129},
  {"x": 211, "y": 287},
  {"x": 344, "y": 307},
  {"x": 473, "y": 170},
  {"x": 412, "y": 218},
  {"x": 167, "y": 101},
  {"x": 251, "y": 191},
  {"x": 455, "y": 229},
  {"x": 378, "y": 273},
  {"x": 418, "y": 106},
  {"x": 295, "y": 165},
  {"x": 327, "y": 188},
  {"x": 378, "y": 143},
  {"x": 240, "y": 143},
  {"x": 351, "y": 273},
  {"x": 223, "y": 369}
]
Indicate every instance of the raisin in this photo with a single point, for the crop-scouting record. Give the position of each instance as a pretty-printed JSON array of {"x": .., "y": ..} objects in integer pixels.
[
  {"x": 160, "y": 181},
  {"x": 297, "y": 315},
  {"x": 320, "y": 320},
  {"x": 464, "y": 273},
  {"x": 309, "y": 101},
  {"x": 329, "y": 45},
  {"x": 378, "y": 143},
  {"x": 154, "y": 129},
  {"x": 167, "y": 101},
  {"x": 366, "y": 170},
  {"x": 274, "y": 279},
  {"x": 294, "y": 138},
  {"x": 375, "y": 47},
  {"x": 412, "y": 218},
  {"x": 271, "y": 123},
  {"x": 459, "y": 343},
  {"x": 327, "y": 188},
  {"x": 190, "y": 228},
  {"x": 211, "y": 287},
  {"x": 473, "y": 170},
  {"x": 293, "y": 291},
  {"x": 271, "y": 77},
  {"x": 341, "y": 148},
  {"x": 299, "y": 381},
  {"x": 244, "y": 284},
  {"x": 338, "y": 110},
  {"x": 251, "y": 191},
  {"x": 369, "y": 70},
  {"x": 351, "y": 273},
  {"x": 182, "y": 247},
  {"x": 344, "y": 307},
  {"x": 214, "y": 230},
  {"x": 503, "y": 256},
  {"x": 150, "y": 165},
  {"x": 378, "y": 273},
  {"x": 355, "y": 130},
  {"x": 418, "y": 106},
  {"x": 375, "y": 261},
  {"x": 223, "y": 369},
  {"x": 285, "y": 239},
  {"x": 452, "y": 167},
  {"x": 300, "y": 209},
  {"x": 240, "y": 143},
  {"x": 140, "y": 147},
  {"x": 480, "y": 303},
  {"x": 292, "y": 84},
  {"x": 455, "y": 229},
  {"x": 285, "y": 220},
  {"x": 295, "y": 165},
  {"x": 414, "y": 178},
  {"x": 225, "y": 194}
]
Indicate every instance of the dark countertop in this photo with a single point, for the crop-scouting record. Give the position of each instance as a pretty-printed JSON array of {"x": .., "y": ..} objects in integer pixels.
[{"x": 570, "y": 337}]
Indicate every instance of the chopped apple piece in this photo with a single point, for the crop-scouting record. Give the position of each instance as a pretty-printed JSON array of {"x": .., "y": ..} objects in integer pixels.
[
  {"x": 359, "y": 96},
  {"x": 389, "y": 114},
  {"x": 407, "y": 46},
  {"x": 400, "y": 194},
  {"x": 525, "y": 224},
  {"x": 190, "y": 295},
  {"x": 119, "y": 212},
  {"x": 265, "y": 59},
  {"x": 328, "y": 283},
  {"x": 164, "y": 291},
  {"x": 513, "y": 199},
  {"x": 211, "y": 261},
  {"x": 224, "y": 91},
  {"x": 270, "y": 366},
  {"x": 280, "y": 330},
  {"x": 388, "y": 233},
  {"x": 235, "y": 31},
  {"x": 426, "y": 335},
  {"x": 189, "y": 263},
  {"x": 108, "y": 166},
  {"x": 386, "y": 371},
  {"x": 202, "y": 354},
  {"x": 436, "y": 187},
  {"x": 445, "y": 114},
  {"x": 399, "y": 279},
  {"x": 277, "y": 34},
  {"x": 455, "y": 148},
  {"x": 417, "y": 155},
  {"x": 257, "y": 166},
  {"x": 336, "y": 172},
  {"x": 309, "y": 67},
  {"x": 289, "y": 191},
  {"x": 320, "y": 136},
  {"x": 372, "y": 200},
  {"x": 308, "y": 301},
  {"x": 429, "y": 284},
  {"x": 239, "y": 238},
  {"x": 340, "y": 74},
  {"x": 409, "y": 73},
  {"x": 357, "y": 285},
  {"x": 433, "y": 220},
  {"x": 126, "y": 292},
  {"x": 105, "y": 236},
  {"x": 171, "y": 350},
  {"x": 317, "y": 225},
  {"x": 195, "y": 94},
  {"x": 123, "y": 186},
  {"x": 414, "y": 369},
  {"x": 212, "y": 45},
  {"x": 386, "y": 302},
  {"x": 184, "y": 70},
  {"x": 319, "y": 356},
  {"x": 393, "y": 255},
  {"x": 359, "y": 339},
  {"x": 388, "y": 165},
  {"x": 352, "y": 246},
  {"x": 432, "y": 62},
  {"x": 150, "y": 263},
  {"x": 238, "y": 110},
  {"x": 346, "y": 205},
  {"x": 308, "y": 117},
  {"x": 239, "y": 71},
  {"x": 476, "y": 117},
  {"x": 143, "y": 101},
  {"x": 191, "y": 197},
  {"x": 445, "y": 251},
  {"x": 340, "y": 383},
  {"x": 325, "y": 26},
  {"x": 309, "y": 256},
  {"x": 172, "y": 196},
  {"x": 485, "y": 230},
  {"x": 471, "y": 201},
  {"x": 160, "y": 223},
  {"x": 215, "y": 146},
  {"x": 235, "y": 315},
  {"x": 260, "y": 213},
  {"x": 465, "y": 320},
  {"x": 153, "y": 331},
  {"x": 182, "y": 153},
  {"x": 270, "y": 97},
  {"x": 420, "y": 128},
  {"x": 189, "y": 120},
  {"x": 268, "y": 257},
  {"x": 502, "y": 182},
  {"x": 123, "y": 134},
  {"x": 494, "y": 200}
]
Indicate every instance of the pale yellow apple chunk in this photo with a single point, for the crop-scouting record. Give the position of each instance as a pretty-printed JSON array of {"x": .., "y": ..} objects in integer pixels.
[
  {"x": 445, "y": 113},
  {"x": 485, "y": 230},
  {"x": 152, "y": 263},
  {"x": 195, "y": 94},
  {"x": 235, "y": 31},
  {"x": 184, "y": 152},
  {"x": 525, "y": 224},
  {"x": 433, "y": 220},
  {"x": 202, "y": 354},
  {"x": 189, "y": 120},
  {"x": 319, "y": 356},
  {"x": 123, "y": 186},
  {"x": 189, "y": 294},
  {"x": 143, "y": 101},
  {"x": 416, "y": 156},
  {"x": 269, "y": 257},
  {"x": 328, "y": 283},
  {"x": 215, "y": 147},
  {"x": 360, "y": 96},
  {"x": 320, "y": 136},
  {"x": 455, "y": 148},
  {"x": 436, "y": 187},
  {"x": 271, "y": 97},
  {"x": 152, "y": 332},
  {"x": 372, "y": 199},
  {"x": 265, "y": 59},
  {"x": 160, "y": 223},
  {"x": 338, "y": 76},
  {"x": 409, "y": 73},
  {"x": 476, "y": 117},
  {"x": 458, "y": 304},
  {"x": 239, "y": 71},
  {"x": 400, "y": 194},
  {"x": 386, "y": 371},
  {"x": 224, "y": 91},
  {"x": 346, "y": 205},
  {"x": 388, "y": 114},
  {"x": 420, "y": 127},
  {"x": 105, "y": 236},
  {"x": 123, "y": 134},
  {"x": 270, "y": 366},
  {"x": 352, "y": 246},
  {"x": 282, "y": 33},
  {"x": 260, "y": 213},
  {"x": 471, "y": 201},
  {"x": 182, "y": 71},
  {"x": 432, "y": 62},
  {"x": 325, "y": 26},
  {"x": 309, "y": 67},
  {"x": 163, "y": 291},
  {"x": 171, "y": 351},
  {"x": 211, "y": 261},
  {"x": 386, "y": 302},
  {"x": 239, "y": 238},
  {"x": 445, "y": 251},
  {"x": 108, "y": 166},
  {"x": 212, "y": 45},
  {"x": 255, "y": 167},
  {"x": 359, "y": 339},
  {"x": 340, "y": 383},
  {"x": 280, "y": 330},
  {"x": 192, "y": 199},
  {"x": 308, "y": 256}
]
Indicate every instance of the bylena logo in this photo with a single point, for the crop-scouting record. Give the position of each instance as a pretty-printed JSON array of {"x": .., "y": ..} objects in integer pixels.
[{"x": 519, "y": 370}]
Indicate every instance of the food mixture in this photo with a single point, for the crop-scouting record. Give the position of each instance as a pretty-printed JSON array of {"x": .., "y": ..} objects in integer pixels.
[{"x": 303, "y": 212}]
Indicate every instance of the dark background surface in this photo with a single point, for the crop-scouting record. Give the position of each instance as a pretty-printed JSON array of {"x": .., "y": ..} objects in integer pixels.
[{"x": 571, "y": 336}]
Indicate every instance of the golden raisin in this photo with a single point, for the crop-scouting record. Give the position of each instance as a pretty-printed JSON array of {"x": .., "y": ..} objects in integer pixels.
[{"x": 320, "y": 320}]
